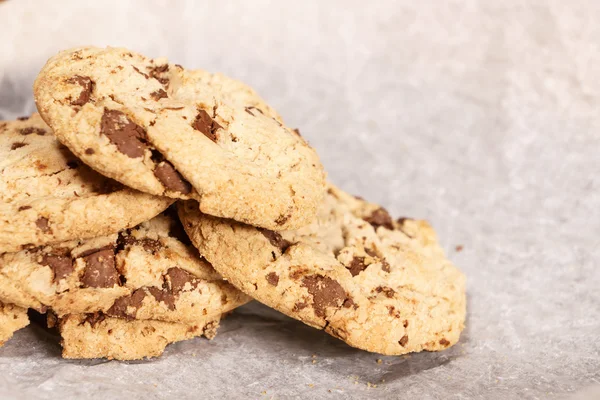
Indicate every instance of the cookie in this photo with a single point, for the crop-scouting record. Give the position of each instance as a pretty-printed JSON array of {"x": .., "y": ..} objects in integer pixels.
[
  {"x": 100, "y": 336},
  {"x": 164, "y": 130},
  {"x": 147, "y": 272},
  {"x": 12, "y": 318},
  {"x": 47, "y": 195},
  {"x": 380, "y": 285}
]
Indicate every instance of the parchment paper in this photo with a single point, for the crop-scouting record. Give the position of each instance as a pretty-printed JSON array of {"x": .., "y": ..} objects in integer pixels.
[{"x": 480, "y": 116}]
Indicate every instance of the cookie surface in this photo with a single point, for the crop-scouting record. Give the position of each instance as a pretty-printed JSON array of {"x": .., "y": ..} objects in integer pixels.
[
  {"x": 100, "y": 336},
  {"x": 12, "y": 318},
  {"x": 380, "y": 285},
  {"x": 164, "y": 130},
  {"x": 147, "y": 272},
  {"x": 47, "y": 195}
]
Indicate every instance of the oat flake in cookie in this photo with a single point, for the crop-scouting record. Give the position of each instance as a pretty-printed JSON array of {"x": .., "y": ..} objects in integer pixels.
[
  {"x": 378, "y": 284},
  {"x": 164, "y": 130},
  {"x": 47, "y": 195}
]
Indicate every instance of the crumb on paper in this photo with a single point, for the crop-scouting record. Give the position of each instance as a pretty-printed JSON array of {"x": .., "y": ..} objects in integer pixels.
[
  {"x": 314, "y": 361},
  {"x": 311, "y": 385},
  {"x": 459, "y": 248},
  {"x": 371, "y": 385},
  {"x": 379, "y": 361}
]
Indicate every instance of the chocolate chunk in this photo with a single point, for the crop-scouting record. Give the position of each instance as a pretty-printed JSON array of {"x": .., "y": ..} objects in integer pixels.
[
  {"x": 357, "y": 265},
  {"x": 100, "y": 270},
  {"x": 380, "y": 217},
  {"x": 403, "y": 341},
  {"x": 22, "y": 118},
  {"x": 401, "y": 220},
  {"x": 349, "y": 303},
  {"x": 159, "y": 94},
  {"x": 42, "y": 224},
  {"x": 385, "y": 266},
  {"x": 30, "y": 130},
  {"x": 127, "y": 306},
  {"x": 94, "y": 319},
  {"x": 405, "y": 323},
  {"x": 89, "y": 151},
  {"x": 206, "y": 125},
  {"x": 275, "y": 239},
  {"x": 122, "y": 132},
  {"x": 272, "y": 278},
  {"x": 178, "y": 278},
  {"x": 156, "y": 72},
  {"x": 444, "y": 342},
  {"x": 171, "y": 178},
  {"x": 136, "y": 69},
  {"x": 87, "y": 86},
  {"x": 388, "y": 292},
  {"x": 22, "y": 208},
  {"x": 325, "y": 291},
  {"x": 299, "y": 306},
  {"x": 17, "y": 145},
  {"x": 297, "y": 132},
  {"x": 150, "y": 245},
  {"x": 61, "y": 265},
  {"x": 163, "y": 296},
  {"x": 282, "y": 219}
]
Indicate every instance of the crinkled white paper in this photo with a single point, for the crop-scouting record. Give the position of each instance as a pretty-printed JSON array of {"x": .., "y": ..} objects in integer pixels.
[{"x": 480, "y": 116}]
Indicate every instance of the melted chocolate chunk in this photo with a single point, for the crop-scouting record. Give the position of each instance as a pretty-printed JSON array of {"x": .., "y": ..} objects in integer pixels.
[
  {"x": 380, "y": 217},
  {"x": 272, "y": 278},
  {"x": 89, "y": 151},
  {"x": 155, "y": 72},
  {"x": 30, "y": 130},
  {"x": 17, "y": 145},
  {"x": 87, "y": 86},
  {"x": 275, "y": 239},
  {"x": 159, "y": 94},
  {"x": 61, "y": 265},
  {"x": 385, "y": 266},
  {"x": 122, "y": 132},
  {"x": 127, "y": 306},
  {"x": 325, "y": 291},
  {"x": 23, "y": 208},
  {"x": 403, "y": 341},
  {"x": 444, "y": 342},
  {"x": 175, "y": 281},
  {"x": 388, "y": 292},
  {"x": 94, "y": 319},
  {"x": 171, "y": 178},
  {"x": 206, "y": 125},
  {"x": 299, "y": 306},
  {"x": 100, "y": 270},
  {"x": 42, "y": 224},
  {"x": 357, "y": 265}
]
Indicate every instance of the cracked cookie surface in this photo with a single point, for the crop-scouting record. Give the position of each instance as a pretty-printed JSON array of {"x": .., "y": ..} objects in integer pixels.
[
  {"x": 147, "y": 272},
  {"x": 378, "y": 284},
  {"x": 164, "y": 130},
  {"x": 47, "y": 195},
  {"x": 12, "y": 318}
]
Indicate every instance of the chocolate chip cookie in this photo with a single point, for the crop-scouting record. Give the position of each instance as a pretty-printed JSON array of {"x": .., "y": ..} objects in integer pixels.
[
  {"x": 12, "y": 318},
  {"x": 47, "y": 195},
  {"x": 100, "y": 336},
  {"x": 148, "y": 272},
  {"x": 165, "y": 130},
  {"x": 378, "y": 284}
]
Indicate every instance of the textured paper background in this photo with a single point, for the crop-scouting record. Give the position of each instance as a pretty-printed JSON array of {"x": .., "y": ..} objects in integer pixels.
[{"x": 480, "y": 116}]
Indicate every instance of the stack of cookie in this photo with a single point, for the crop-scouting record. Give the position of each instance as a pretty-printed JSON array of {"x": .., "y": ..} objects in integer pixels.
[{"x": 147, "y": 200}]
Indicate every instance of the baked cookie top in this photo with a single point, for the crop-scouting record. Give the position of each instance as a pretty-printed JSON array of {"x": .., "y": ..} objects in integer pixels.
[
  {"x": 165, "y": 130},
  {"x": 148, "y": 272},
  {"x": 378, "y": 284},
  {"x": 47, "y": 195}
]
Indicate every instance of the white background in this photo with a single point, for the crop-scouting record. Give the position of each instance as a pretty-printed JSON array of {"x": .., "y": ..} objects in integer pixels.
[{"x": 480, "y": 116}]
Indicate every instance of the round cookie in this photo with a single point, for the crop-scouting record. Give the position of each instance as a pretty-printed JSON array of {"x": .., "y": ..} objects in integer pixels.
[
  {"x": 164, "y": 130},
  {"x": 380, "y": 285},
  {"x": 47, "y": 195},
  {"x": 12, "y": 318},
  {"x": 148, "y": 272}
]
